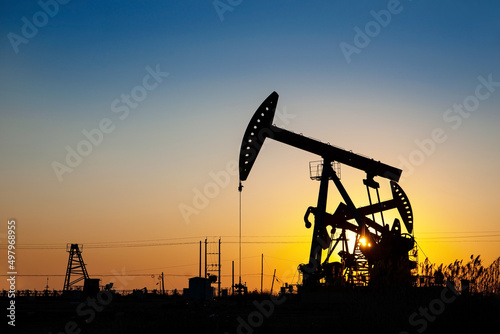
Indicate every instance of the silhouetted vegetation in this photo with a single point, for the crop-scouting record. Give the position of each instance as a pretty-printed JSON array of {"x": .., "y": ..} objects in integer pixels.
[{"x": 482, "y": 280}]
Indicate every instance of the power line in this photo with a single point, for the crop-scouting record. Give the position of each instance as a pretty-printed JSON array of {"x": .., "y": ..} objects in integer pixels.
[
  {"x": 97, "y": 246},
  {"x": 462, "y": 237},
  {"x": 168, "y": 241},
  {"x": 458, "y": 232},
  {"x": 102, "y": 275},
  {"x": 101, "y": 246},
  {"x": 268, "y": 242},
  {"x": 462, "y": 241}
]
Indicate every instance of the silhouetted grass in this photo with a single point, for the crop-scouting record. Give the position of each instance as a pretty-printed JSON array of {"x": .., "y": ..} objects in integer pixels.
[{"x": 482, "y": 280}]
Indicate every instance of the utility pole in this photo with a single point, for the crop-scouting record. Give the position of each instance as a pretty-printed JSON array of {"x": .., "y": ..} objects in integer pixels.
[
  {"x": 162, "y": 285},
  {"x": 219, "y": 269},
  {"x": 272, "y": 284},
  {"x": 232, "y": 277},
  {"x": 199, "y": 271},
  {"x": 205, "y": 257},
  {"x": 261, "y": 272}
]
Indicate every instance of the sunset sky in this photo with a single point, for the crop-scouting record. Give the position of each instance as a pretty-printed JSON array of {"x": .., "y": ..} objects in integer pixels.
[{"x": 118, "y": 117}]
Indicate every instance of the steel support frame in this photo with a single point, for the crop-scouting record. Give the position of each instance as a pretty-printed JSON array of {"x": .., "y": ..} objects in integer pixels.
[{"x": 318, "y": 243}]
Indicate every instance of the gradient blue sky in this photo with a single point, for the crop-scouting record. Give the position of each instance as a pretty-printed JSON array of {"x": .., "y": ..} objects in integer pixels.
[{"x": 395, "y": 91}]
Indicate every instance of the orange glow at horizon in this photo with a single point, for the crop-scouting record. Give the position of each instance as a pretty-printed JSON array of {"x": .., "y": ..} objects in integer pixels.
[{"x": 96, "y": 205}]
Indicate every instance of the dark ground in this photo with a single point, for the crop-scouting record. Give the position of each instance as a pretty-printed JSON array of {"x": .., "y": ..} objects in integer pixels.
[{"x": 419, "y": 310}]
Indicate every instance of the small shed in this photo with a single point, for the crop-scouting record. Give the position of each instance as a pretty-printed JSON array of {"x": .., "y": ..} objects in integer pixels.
[
  {"x": 200, "y": 289},
  {"x": 91, "y": 287}
]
